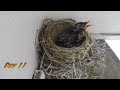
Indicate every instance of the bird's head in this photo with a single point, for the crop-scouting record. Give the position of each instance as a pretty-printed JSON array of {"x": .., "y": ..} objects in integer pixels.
[{"x": 82, "y": 26}]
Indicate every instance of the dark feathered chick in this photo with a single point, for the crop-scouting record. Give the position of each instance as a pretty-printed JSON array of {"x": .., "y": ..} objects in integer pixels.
[{"x": 72, "y": 37}]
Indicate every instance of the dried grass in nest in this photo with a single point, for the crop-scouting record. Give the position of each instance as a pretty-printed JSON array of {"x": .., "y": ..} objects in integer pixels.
[{"x": 83, "y": 62}]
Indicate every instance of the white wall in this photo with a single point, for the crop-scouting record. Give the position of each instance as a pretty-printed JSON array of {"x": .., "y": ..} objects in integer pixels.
[{"x": 18, "y": 29}]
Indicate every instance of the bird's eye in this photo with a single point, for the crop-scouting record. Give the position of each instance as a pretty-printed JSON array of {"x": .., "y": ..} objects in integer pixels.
[{"x": 78, "y": 26}]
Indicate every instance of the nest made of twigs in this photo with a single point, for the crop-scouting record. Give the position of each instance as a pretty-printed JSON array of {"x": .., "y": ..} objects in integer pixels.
[{"x": 85, "y": 61}]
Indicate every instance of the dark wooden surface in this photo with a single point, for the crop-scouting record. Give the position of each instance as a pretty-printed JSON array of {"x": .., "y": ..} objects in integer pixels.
[{"x": 112, "y": 70}]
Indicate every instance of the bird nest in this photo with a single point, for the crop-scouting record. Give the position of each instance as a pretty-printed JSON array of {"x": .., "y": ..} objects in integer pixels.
[{"x": 83, "y": 62}]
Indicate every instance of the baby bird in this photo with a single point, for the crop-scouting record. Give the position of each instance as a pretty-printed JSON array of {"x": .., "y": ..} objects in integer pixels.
[{"x": 72, "y": 37}]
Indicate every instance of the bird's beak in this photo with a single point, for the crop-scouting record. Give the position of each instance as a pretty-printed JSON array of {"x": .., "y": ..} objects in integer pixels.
[{"x": 87, "y": 25}]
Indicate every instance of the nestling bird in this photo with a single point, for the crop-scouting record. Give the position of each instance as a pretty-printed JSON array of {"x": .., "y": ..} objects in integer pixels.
[{"x": 72, "y": 37}]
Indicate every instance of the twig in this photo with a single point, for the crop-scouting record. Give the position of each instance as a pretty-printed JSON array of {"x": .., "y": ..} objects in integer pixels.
[
  {"x": 42, "y": 61},
  {"x": 49, "y": 66},
  {"x": 73, "y": 58}
]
